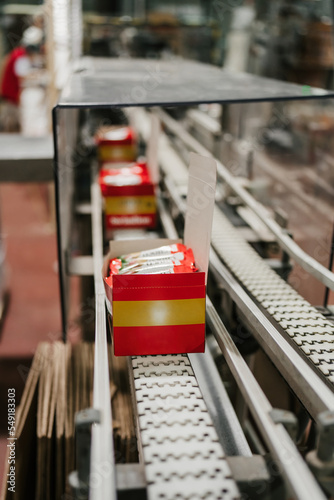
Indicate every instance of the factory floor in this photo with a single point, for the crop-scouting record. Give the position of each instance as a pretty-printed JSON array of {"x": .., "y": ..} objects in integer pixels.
[{"x": 32, "y": 311}]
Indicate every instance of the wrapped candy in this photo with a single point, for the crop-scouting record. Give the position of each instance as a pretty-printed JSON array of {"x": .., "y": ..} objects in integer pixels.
[{"x": 168, "y": 259}]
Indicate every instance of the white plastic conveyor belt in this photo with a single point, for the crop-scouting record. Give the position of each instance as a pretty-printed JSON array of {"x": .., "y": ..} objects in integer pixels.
[{"x": 182, "y": 454}]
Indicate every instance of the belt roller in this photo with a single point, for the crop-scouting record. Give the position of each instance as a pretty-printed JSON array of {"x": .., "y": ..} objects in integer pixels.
[{"x": 183, "y": 457}]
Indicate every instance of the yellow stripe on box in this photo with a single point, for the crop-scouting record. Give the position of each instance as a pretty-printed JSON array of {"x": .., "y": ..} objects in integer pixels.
[
  {"x": 159, "y": 312},
  {"x": 125, "y": 205},
  {"x": 117, "y": 153}
]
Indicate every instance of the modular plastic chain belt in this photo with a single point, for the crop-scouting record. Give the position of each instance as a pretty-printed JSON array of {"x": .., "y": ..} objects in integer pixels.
[
  {"x": 308, "y": 328},
  {"x": 183, "y": 457}
]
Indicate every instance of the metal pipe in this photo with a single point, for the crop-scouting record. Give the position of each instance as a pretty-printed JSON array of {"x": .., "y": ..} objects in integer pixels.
[
  {"x": 219, "y": 405},
  {"x": 306, "y": 261}
]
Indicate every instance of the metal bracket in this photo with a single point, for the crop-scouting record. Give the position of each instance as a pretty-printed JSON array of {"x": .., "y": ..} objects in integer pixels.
[
  {"x": 321, "y": 460},
  {"x": 287, "y": 419},
  {"x": 79, "y": 479}
]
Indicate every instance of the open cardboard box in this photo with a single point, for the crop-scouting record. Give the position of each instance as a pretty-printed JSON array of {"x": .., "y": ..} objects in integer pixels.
[{"x": 165, "y": 313}]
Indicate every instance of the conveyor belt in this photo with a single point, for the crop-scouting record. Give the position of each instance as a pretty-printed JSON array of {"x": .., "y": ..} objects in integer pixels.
[
  {"x": 183, "y": 457},
  {"x": 311, "y": 332}
]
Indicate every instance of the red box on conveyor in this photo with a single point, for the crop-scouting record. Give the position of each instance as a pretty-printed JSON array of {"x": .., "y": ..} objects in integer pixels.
[
  {"x": 165, "y": 313},
  {"x": 129, "y": 197}
]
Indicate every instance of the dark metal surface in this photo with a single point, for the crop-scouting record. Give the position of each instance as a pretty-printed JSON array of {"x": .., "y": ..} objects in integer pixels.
[{"x": 124, "y": 82}]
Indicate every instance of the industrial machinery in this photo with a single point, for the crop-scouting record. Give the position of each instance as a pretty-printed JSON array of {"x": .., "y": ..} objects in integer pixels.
[{"x": 192, "y": 441}]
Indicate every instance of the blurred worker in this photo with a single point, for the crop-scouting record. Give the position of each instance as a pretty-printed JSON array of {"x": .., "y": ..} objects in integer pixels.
[{"x": 18, "y": 66}]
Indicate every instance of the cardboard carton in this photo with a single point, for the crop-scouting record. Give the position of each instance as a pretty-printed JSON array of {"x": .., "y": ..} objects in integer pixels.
[{"x": 165, "y": 313}]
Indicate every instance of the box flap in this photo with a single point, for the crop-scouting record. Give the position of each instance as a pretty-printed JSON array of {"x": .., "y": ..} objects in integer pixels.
[
  {"x": 200, "y": 205},
  {"x": 152, "y": 149}
]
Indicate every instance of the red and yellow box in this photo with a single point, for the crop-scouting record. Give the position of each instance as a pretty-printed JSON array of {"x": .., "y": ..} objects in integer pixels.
[
  {"x": 129, "y": 197},
  {"x": 116, "y": 144},
  {"x": 158, "y": 314},
  {"x": 165, "y": 313}
]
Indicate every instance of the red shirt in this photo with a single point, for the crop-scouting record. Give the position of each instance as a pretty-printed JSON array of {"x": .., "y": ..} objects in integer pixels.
[{"x": 10, "y": 85}]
